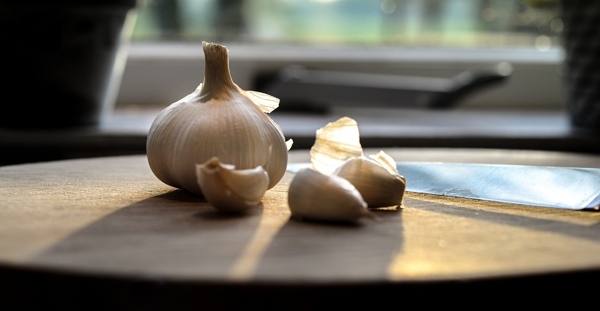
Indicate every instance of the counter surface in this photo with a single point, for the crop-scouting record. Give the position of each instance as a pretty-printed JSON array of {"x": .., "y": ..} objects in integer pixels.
[{"x": 110, "y": 217}]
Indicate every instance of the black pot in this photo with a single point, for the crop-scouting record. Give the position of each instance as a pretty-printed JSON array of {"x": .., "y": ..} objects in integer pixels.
[
  {"x": 59, "y": 59},
  {"x": 581, "y": 41}
]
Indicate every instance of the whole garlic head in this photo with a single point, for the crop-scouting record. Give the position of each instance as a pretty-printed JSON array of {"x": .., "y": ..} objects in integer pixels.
[{"x": 218, "y": 119}]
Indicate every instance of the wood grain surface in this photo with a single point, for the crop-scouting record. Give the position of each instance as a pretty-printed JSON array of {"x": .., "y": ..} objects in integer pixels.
[{"x": 111, "y": 216}]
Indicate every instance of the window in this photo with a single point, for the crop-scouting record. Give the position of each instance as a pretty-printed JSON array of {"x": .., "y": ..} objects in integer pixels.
[
  {"x": 456, "y": 23},
  {"x": 420, "y": 38}
]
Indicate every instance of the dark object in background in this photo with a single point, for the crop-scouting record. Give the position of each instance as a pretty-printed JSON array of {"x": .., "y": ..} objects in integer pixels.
[
  {"x": 229, "y": 19},
  {"x": 297, "y": 85},
  {"x": 168, "y": 16},
  {"x": 59, "y": 61},
  {"x": 581, "y": 40}
]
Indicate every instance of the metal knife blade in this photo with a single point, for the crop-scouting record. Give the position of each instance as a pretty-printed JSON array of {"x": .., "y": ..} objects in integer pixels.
[{"x": 571, "y": 188}]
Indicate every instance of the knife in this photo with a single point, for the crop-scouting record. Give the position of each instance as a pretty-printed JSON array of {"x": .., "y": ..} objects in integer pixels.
[{"x": 572, "y": 188}]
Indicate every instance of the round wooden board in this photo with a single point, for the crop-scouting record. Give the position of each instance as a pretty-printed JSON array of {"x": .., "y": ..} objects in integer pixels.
[{"x": 111, "y": 217}]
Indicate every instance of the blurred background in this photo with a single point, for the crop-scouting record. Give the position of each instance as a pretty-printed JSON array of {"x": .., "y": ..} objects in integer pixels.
[
  {"x": 433, "y": 23},
  {"x": 500, "y": 67},
  {"x": 435, "y": 38}
]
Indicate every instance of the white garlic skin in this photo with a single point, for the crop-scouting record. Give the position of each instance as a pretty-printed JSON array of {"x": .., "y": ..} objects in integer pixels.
[
  {"x": 217, "y": 120},
  {"x": 316, "y": 196},
  {"x": 231, "y": 190},
  {"x": 377, "y": 186},
  {"x": 335, "y": 143}
]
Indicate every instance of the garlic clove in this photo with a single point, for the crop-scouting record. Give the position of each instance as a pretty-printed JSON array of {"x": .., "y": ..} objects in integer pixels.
[
  {"x": 316, "y": 196},
  {"x": 377, "y": 186},
  {"x": 335, "y": 143},
  {"x": 231, "y": 190},
  {"x": 337, "y": 150},
  {"x": 386, "y": 161}
]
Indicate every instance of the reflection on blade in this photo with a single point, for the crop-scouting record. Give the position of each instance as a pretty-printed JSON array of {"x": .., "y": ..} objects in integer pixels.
[
  {"x": 545, "y": 186},
  {"x": 556, "y": 187}
]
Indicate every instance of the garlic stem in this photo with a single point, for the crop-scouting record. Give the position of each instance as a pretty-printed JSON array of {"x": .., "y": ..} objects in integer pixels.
[{"x": 217, "y": 82}]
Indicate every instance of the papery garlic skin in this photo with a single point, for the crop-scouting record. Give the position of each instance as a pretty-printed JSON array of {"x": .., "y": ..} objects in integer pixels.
[
  {"x": 231, "y": 190},
  {"x": 316, "y": 196},
  {"x": 377, "y": 186},
  {"x": 217, "y": 120},
  {"x": 335, "y": 143}
]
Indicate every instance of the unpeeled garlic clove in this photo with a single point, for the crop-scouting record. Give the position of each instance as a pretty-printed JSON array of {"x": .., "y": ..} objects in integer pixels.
[
  {"x": 231, "y": 190},
  {"x": 337, "y": 150},
  {"x": 377, "y": 186},
  {"x": 316, "y": 196}
]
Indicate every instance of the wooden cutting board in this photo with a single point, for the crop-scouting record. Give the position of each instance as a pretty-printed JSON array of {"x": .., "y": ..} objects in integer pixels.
[{"x": 112, "y": 217}]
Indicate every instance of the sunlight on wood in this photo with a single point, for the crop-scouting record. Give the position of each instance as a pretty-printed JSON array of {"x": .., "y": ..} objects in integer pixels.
[{"x": 272, "y": 220}]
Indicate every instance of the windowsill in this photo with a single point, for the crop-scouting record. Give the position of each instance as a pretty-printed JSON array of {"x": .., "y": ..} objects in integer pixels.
[
  {"x": 159, "y": 74},
  {"x": 387, "y": 127},
  {"x": 125, "y": 132}
]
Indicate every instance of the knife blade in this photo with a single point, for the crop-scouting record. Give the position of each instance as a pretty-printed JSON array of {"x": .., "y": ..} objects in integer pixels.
[{"x": 571, "y": 188}]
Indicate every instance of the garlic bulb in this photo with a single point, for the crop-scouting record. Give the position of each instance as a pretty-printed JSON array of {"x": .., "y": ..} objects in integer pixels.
[
  {"x": 316, "y": 196},
  {"x": 219, "y": 120},
  {"x": 231, "y": 190}
]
